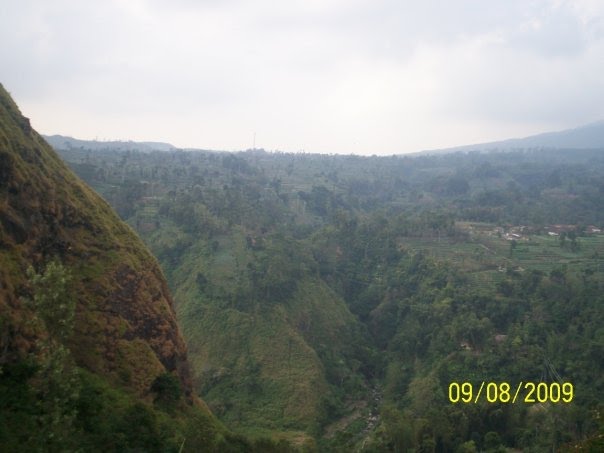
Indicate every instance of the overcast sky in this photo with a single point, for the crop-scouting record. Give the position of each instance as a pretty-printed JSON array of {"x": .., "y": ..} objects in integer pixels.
[{"x": 335, "y": 76}]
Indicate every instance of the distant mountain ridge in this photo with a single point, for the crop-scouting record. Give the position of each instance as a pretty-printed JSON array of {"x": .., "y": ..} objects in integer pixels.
[
  {"x": 589, "y": 136},
  {"x": 64, "y": 142}
]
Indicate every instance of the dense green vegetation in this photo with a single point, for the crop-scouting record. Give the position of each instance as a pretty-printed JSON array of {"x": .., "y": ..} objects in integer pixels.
[{"x": 333, "y": 299}]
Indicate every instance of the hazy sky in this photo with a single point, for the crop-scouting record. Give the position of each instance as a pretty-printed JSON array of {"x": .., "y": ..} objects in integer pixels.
[{"x": 337, "y": 76}]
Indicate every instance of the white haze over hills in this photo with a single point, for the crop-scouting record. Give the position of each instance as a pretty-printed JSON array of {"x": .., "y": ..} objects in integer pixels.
[
  {"x": 333, "y": 76},
  {"x": 590, "y": 136}
]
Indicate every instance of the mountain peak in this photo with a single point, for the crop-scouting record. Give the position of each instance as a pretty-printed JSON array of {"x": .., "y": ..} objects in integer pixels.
[{"x": 125, "y": 327}]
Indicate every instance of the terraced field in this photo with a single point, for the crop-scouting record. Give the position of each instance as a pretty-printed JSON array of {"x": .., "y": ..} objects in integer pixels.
[{"x": 485, "y": 257}]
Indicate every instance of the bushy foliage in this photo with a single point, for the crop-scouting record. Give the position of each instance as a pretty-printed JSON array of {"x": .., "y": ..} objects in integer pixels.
[
  {"x": 373, "y": 274},
  {"x": 53, "y": 300}
]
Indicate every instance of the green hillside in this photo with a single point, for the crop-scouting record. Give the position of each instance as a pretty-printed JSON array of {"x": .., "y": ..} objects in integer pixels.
[
  {"x": 91, "y": 357},
  {"x": 333, "y": 300},
  {"x": 268, "y": 338}
]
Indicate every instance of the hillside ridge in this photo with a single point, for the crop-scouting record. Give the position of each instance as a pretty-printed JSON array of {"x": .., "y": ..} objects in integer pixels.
[{"x": 588, "y": 136}]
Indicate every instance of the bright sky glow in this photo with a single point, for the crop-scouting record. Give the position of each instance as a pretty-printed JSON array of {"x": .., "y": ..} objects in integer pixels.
[{"x": 335, "y": 76}]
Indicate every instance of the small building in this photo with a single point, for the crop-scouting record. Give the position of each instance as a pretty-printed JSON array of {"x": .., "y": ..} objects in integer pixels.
[{"x": 561, "y": 228}]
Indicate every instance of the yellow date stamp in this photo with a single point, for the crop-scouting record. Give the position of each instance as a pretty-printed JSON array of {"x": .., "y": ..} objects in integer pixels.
[{"x": 503, "y": 392}]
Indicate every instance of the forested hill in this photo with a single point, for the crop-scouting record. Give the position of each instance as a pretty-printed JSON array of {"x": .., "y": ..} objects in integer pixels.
[
  {"x": 60, "y": 141},
  {"x": 334, "y": 299},
  {"x": 91, "y": 357}
]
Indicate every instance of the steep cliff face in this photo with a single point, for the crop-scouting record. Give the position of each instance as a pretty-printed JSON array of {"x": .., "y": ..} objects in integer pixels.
[{"x": 124, "y": 328}]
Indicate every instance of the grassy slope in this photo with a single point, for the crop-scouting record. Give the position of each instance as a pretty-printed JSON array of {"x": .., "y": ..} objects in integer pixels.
[
  {"x": 125, "y": 332},
  {"x": 47, "y": 212},
  {"x": 260, "y": 367}
]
